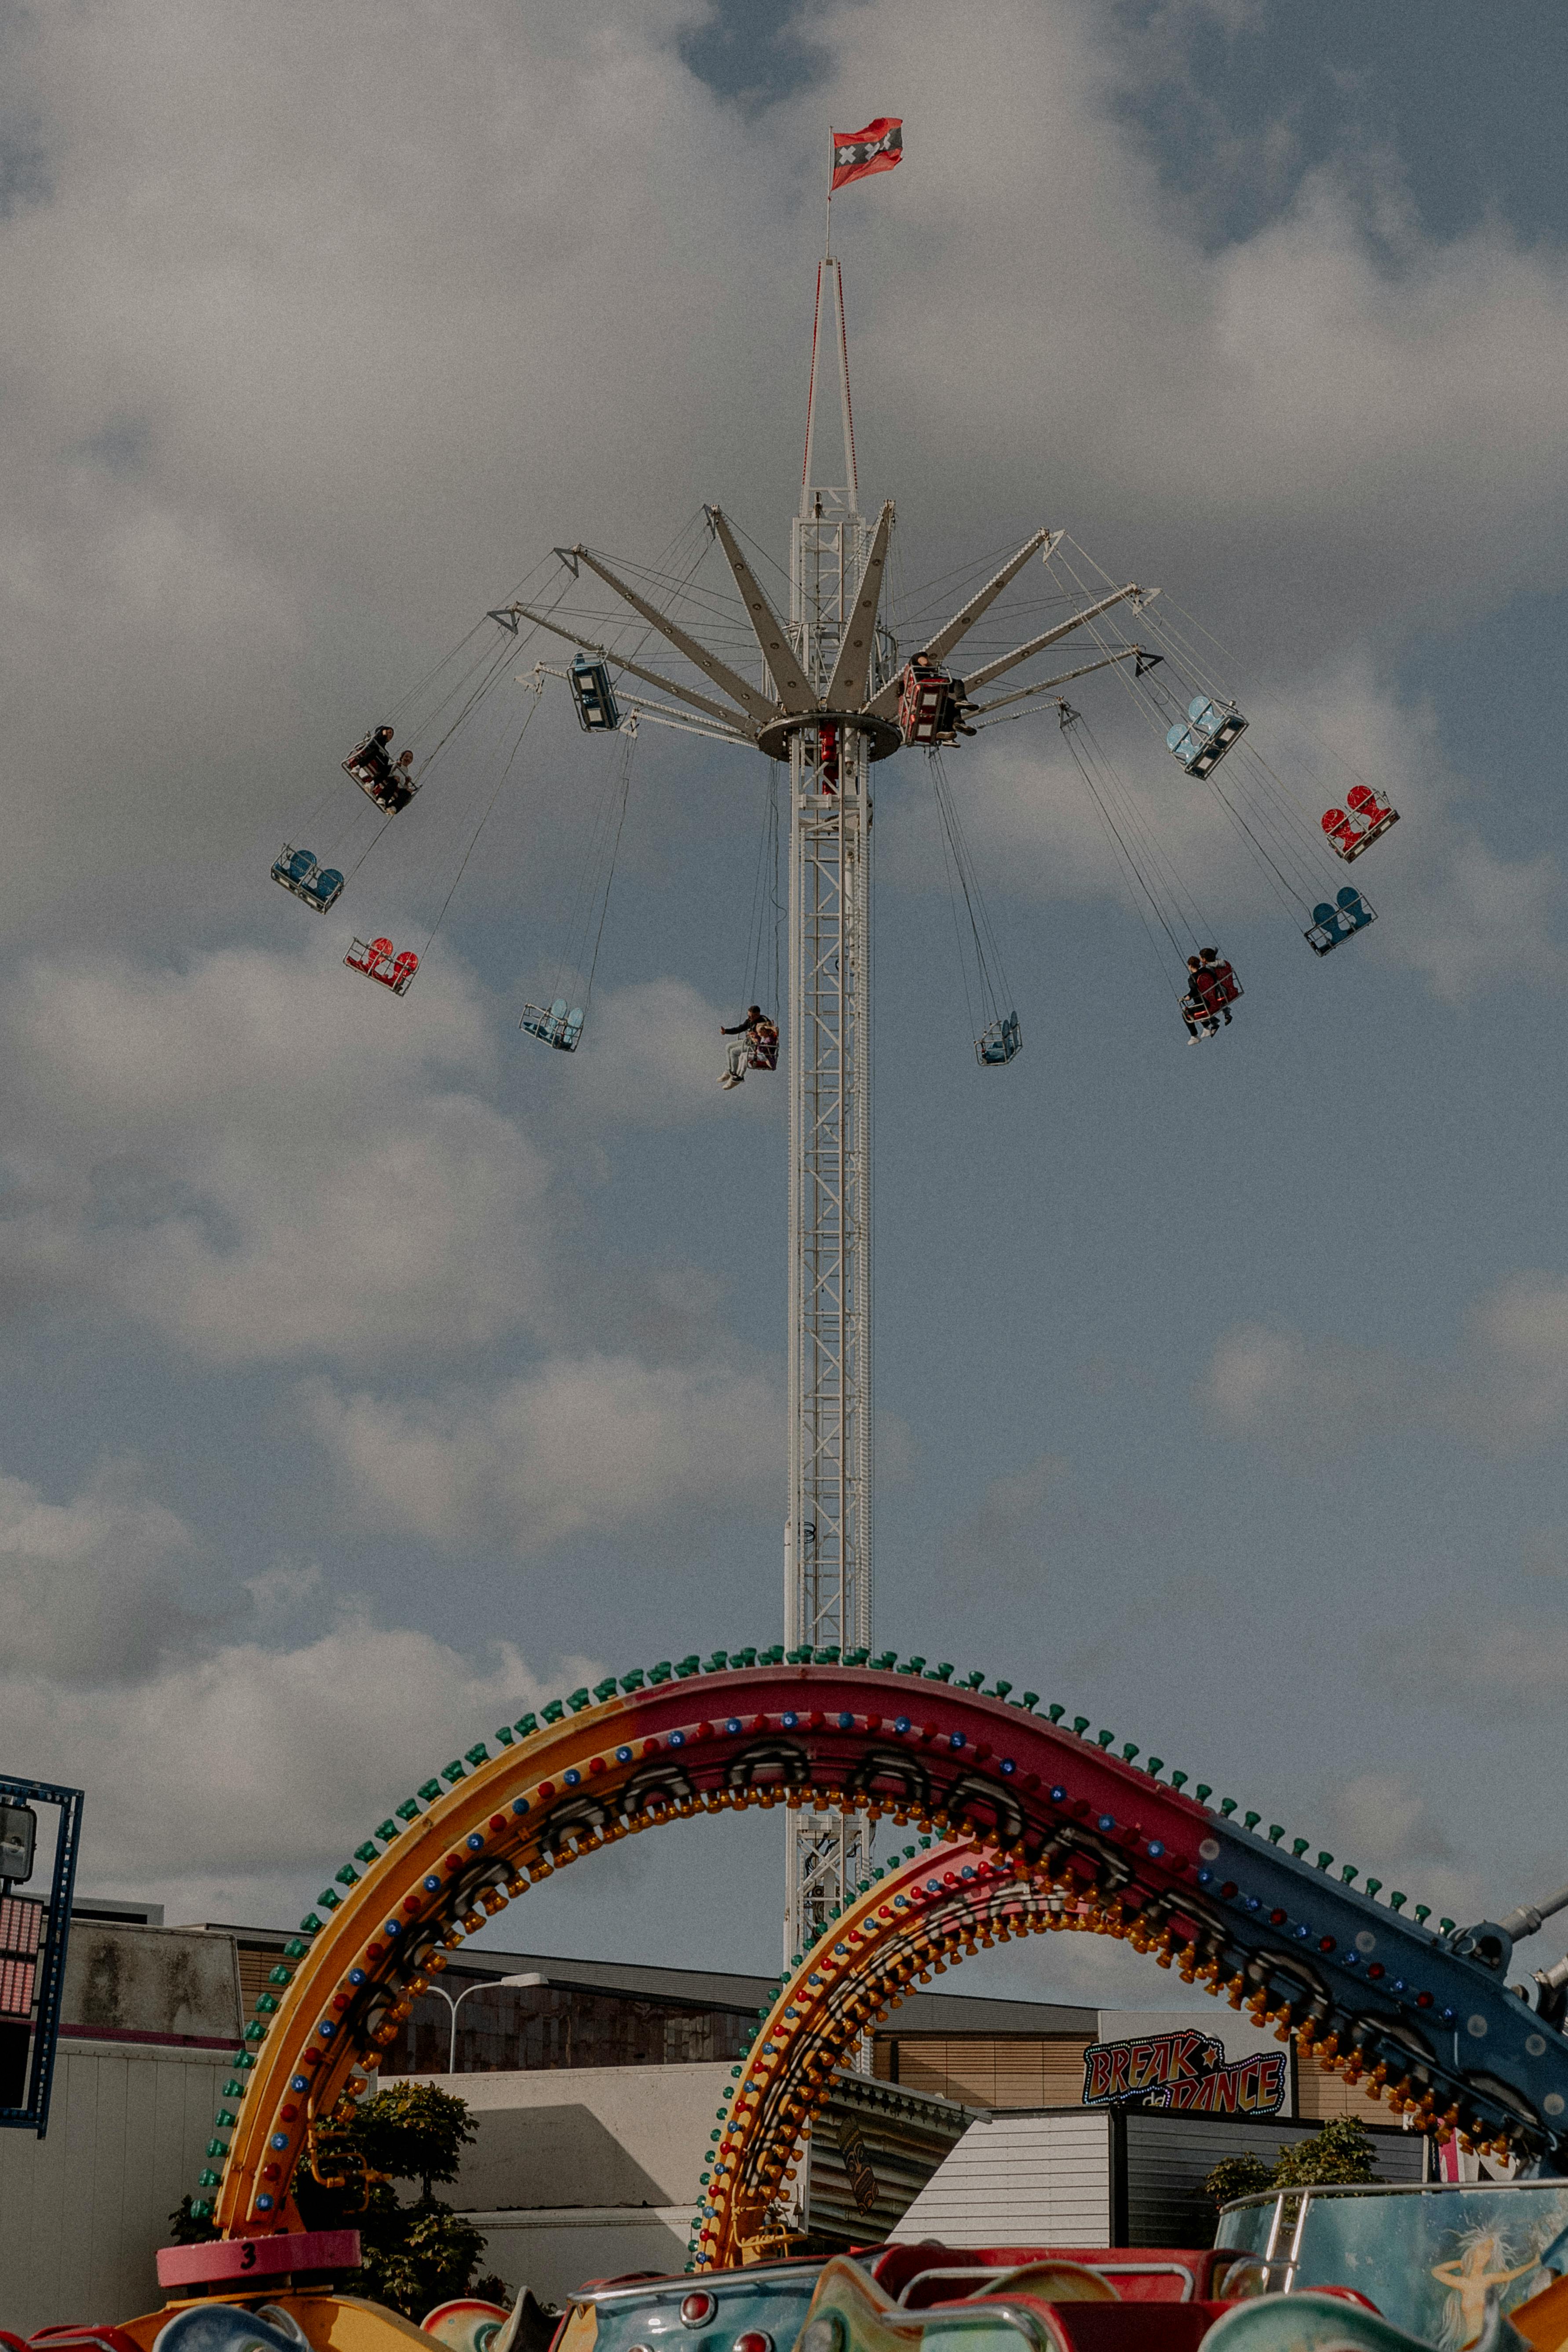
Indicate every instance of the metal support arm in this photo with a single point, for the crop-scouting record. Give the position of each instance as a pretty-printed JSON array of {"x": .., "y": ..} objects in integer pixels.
[
  {"x": 730, "y": 681},
  {"x": 852, "y": 671},
  {"x": 794, "y": 689},
  {"x": 883, "y": 705},
  {"x": 1063, "y": 629},
  {"x": 650, "y": 677},
  {"x": 1063, "y": 677}
]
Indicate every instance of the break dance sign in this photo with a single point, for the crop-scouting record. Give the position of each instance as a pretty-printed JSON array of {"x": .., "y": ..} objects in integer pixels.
[{"x": 1184, "y": 2069}]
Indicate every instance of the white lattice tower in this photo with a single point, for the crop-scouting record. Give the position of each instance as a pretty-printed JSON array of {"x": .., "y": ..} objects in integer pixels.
[
  {"x": 826, "y": 704},
  {"x": 828, "y": 1541}
]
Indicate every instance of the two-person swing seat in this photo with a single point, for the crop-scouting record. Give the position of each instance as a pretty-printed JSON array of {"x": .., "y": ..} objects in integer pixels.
[
  {"x": 999, "y": 1042},
  {"x": 598, "y": 712},
  {"x": 930, "y": 706},
  {"x": 1332, "y": 926},
  {"x": 377, "y": 961},
  {"x": 559, "y": 1027},
  {"x": 1365, "y": 819},
  {"x": 319, "y": 886},
  {"x": 384, "y": 779},
  {"x": 1205, "y": 735}
]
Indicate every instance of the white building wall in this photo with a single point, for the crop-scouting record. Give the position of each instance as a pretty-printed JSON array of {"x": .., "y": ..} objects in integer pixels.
[
  {"x": 1020, "y": 2180},
  {"x": 556, "y": 2251},
  {"x": 83, "y": 2211}
]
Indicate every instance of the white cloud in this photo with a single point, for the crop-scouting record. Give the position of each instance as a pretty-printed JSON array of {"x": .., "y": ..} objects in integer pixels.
[
  {"x": 241, "y": 1768},
  {"x": 1543, "y": 1551},
  {"x": 1390, "y": 1830},
  {"x": 1309, "y": 1399},
  {"x": 1007, "y": 1535},
  {"x": 1503, "y": 1387},
  {"x": 1521, "y": 1334},
  {"x": 1327, "y": 426},
  {"x": 262, "y": 1158},
  {"x": 595, "y": 1444},
  {"x": 654, "y": 1059},
  {"x": 99, "y": 1588}
]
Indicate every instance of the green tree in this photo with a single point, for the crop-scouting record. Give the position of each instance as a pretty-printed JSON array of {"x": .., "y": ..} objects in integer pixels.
[
  {"x": 1237, "y": 2176},
  {"x": 411, "y": 2132},
  {"x": 415, "y": 2256},
  {"x": 1338, "y": 2153}
]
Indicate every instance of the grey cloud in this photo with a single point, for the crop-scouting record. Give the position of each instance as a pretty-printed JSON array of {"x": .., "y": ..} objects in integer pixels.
[
  {"x": 251, "y": 1764},
  {"x": 1484, "y": 1660},
  {"x": 1503, "y": 1389},
  {"x": 1333, "y": 432},
  {"x": 103, "y": 1589},
  {"x": 590, "y": 1443},
  {"x": 1007, "y": 1537},
  {"x": 258, "y": 1168}
]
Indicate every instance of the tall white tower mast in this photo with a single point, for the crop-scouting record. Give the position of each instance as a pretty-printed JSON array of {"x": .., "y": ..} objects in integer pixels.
[
  {"x": 828, "y": 705},
  {"x": 827, "y": 1539}
]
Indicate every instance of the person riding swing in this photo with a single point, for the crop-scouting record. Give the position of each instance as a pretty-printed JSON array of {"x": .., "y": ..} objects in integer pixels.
[{"x": 756, "y": 1046}]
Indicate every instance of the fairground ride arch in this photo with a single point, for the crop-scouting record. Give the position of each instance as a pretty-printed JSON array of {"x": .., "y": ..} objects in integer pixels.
[{"x": 1346, "y": 1975}]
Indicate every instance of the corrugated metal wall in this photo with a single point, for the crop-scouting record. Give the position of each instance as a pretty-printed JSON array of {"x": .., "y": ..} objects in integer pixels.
[
  {"x": 83, "y": 2211},
  {"x": 1087, "y": 2178},
  {"x": 874, "y": 2146},
  {"x": 1021, "y": 2181},
  {"x": 1168, "y": 2158},
  {"x": 1006, "y": 2071}
]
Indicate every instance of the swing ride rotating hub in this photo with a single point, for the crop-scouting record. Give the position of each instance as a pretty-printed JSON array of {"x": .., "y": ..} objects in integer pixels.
[{"x": 882, "y": 738}]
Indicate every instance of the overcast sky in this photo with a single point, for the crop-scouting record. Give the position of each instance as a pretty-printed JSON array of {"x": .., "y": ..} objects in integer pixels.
[{"x": 372, "y": 1371}]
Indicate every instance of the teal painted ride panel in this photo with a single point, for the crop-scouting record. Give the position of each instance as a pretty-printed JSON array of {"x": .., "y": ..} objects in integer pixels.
[{"x": 1428, "y": 2257}]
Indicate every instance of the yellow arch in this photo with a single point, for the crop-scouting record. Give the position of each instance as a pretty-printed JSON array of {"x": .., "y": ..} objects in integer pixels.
[{"x": 941, "y": 1903}]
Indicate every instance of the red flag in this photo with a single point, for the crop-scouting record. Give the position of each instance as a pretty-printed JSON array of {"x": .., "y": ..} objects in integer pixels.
[{"x": 876, "y": 149}]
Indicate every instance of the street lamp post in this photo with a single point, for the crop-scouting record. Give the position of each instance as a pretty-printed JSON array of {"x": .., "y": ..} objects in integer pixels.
[{"x": 484, "y": 1985}]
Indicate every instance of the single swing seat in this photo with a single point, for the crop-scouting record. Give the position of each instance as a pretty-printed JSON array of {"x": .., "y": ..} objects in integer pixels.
[
  {"x": 1373, "y": 808},
  {"x": 319, "y": 886},
  {"x": 559, "y": 1027},
  {"x": 598, "y": 712},
  {"x": 1346, "y": 832},
  {"x": 1332, "y": 926},
  {"x": 1201, "y": 739},
  {"x": 378, "y": 961},
  {"x": 999, "y": 1042}
]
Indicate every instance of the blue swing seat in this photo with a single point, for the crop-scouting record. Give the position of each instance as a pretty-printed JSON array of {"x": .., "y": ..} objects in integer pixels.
[
  {"x": 598, "y": 712},
  {"x": 318, "y": 885},
  {"x": 1205, "y": 735},
  {"x": 1332, "y": 926},
  {"x": 559, "y": 1027},
  {"x": 999, "y": 1042}
]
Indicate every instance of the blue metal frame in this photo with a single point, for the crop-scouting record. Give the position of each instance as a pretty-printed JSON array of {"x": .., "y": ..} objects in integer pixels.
[{"x": 50, "y": 1980}]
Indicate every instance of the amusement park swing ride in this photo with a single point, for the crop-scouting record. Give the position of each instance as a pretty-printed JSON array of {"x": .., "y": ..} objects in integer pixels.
[
  {"x": 827, "y": 694},
  {"x": 1026, "y": 1824}
]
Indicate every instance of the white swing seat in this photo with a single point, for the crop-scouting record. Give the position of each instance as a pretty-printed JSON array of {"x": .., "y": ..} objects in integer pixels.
[
  {"x": 558, "y": 1027},
  {"x": 999, "y": 1042}
]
